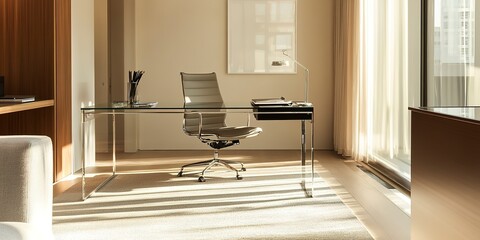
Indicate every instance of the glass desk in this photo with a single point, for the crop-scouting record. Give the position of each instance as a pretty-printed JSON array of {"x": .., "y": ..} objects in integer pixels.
[{"x": 294, "y": 112}]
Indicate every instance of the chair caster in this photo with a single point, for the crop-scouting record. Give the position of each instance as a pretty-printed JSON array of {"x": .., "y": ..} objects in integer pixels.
[
  {"x": 180, "y": 174},
  {"x": 201, "y": 179},
  {"x": 239, "y": 177},
  {"x": 243, "y": 169}
]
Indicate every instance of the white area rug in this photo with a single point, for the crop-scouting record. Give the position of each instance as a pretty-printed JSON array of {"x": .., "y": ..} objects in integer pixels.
[{"x": 268, "y": 203}]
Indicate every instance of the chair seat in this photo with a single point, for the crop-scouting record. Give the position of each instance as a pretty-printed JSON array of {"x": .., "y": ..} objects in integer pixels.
[{"x": 231, "y": 133}]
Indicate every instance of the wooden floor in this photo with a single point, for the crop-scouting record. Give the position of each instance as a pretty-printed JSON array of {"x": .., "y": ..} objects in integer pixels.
[{"x": 385, "y": 212}]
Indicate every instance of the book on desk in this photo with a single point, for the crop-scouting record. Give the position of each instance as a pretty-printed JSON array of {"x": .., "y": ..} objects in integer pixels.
[
  {"x": 16, "y": 98},
  {"x": 281, "y": 109}
]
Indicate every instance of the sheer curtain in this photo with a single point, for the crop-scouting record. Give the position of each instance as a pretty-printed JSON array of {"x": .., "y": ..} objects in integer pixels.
[
  {"x": 346, "y": 76},
  {"x": 372, "y": 84}
]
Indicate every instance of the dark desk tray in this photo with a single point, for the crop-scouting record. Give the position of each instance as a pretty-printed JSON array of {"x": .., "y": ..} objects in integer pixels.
[{"x": 290, "y": 115}]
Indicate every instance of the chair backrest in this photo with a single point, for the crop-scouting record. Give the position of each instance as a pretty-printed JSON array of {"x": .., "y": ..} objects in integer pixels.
[{"x": 201, "y": 90}]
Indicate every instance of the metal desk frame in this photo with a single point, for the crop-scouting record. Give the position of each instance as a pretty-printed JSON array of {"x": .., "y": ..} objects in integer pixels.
[{"x": 89, "y": 113}]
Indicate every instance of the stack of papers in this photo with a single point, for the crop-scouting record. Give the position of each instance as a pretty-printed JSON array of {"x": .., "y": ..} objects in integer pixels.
[
  {"x": 123, "y": 104},
  {"x": 145, "y": 104},
  {"x": 271, "y": 102}
]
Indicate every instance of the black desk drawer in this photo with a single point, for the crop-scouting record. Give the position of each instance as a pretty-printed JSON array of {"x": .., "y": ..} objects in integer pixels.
[{"x": 283, "y": 113}]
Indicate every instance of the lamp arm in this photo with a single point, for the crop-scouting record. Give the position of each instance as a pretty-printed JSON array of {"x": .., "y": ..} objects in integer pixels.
[{"x": 307, "y": 74}]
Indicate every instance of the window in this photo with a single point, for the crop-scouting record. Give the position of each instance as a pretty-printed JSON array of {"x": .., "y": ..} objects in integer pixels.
[
  {"x": 451, "y": 76},
  {"x": 258, "y": 31}
]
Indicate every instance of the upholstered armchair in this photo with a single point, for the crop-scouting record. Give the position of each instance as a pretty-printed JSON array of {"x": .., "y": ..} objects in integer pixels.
[{"x": 26, "y": 187}]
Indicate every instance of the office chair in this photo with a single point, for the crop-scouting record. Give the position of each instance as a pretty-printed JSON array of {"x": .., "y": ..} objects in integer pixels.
[{"x": 204, "y": 119}]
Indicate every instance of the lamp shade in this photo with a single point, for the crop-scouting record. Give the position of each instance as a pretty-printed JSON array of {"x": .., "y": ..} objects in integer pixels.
[{"x": 278, "y": 63}]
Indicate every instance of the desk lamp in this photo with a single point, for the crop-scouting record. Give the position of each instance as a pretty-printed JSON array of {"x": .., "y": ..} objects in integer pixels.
[{"x": 307, "y": 73}]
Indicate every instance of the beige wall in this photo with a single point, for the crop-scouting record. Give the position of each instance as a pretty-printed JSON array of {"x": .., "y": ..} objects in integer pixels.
[
  {"x": 191, "y": 36},
  {"x": 83, "y": 69},
  {"x": 101, "y": 71}
]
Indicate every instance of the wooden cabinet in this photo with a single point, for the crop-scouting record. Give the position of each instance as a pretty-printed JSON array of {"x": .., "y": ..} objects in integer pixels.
[
  {"x": 35, "y": 58},
  {"x": 445, "y": 173}
]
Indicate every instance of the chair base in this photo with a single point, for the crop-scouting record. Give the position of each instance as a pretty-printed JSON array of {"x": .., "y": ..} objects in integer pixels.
[{"x": 214, "y": 162}]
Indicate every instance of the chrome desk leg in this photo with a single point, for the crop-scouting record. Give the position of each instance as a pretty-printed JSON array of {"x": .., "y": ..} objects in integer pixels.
[
  {"x": 308, "y": 190},
  {"x": 302, "y": 156},
  {"x": 114, "y": 146},
  {"x": 303, "y": 143},
  {"x": 312, "y": 154},
  {"x": 82, "y": 142},
  {"x": 84, "y": 195}
]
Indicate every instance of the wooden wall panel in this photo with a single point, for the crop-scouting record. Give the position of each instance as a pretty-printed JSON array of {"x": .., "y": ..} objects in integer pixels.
[
  {"x": 35, "y": 58},
  {"x": 63, "y": 86},
  {"x": 32, "y": 122},
  {"x": 3, "y": 34},
  {"x": 28, "y": 48}
]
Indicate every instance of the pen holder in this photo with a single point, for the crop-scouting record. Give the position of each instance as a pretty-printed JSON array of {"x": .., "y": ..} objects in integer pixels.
[
  {"x": 132, "y": 93},
  {"x": 133, "y": 80}
]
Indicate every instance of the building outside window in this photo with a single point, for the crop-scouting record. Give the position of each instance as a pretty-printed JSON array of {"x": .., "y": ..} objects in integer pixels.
[{"x": 453, "y": 78}]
